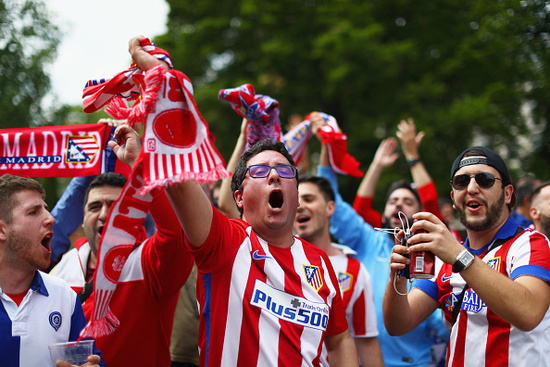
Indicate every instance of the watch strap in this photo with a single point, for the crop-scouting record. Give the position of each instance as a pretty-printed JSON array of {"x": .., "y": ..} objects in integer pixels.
[{"x": 460, "y": 263}]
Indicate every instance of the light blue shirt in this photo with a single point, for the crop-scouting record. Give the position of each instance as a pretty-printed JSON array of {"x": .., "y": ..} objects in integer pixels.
[{"x": 373, "y": 250}]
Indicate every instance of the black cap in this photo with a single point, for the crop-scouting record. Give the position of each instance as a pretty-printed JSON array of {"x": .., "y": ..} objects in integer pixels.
[{"x": 491, "y": 159}]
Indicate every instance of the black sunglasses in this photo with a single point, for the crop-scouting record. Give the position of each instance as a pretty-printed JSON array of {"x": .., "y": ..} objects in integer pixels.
[
  {"x": 263, "y": 170},
  {"x": 485, "y": 180}
]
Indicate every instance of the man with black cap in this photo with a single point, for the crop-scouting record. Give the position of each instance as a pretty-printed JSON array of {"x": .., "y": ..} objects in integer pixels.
[{"x": 493, "y": 289}]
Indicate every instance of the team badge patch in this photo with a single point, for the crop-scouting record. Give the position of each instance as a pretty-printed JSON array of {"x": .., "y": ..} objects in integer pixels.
[
  {"x": 313, "y": 276},
  {"x": 55, "y": 320},
  {"x": 495, "y": 263},
  {"x": 345, "y": 280},
  {"x": 81, "y": 148}
]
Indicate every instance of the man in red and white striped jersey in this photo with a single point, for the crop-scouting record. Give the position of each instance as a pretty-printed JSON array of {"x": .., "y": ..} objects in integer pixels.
[
  {"x": 266, "y": 297},
  {"x": 312, "y": 224},
  {"x": 494, "y": 289}
]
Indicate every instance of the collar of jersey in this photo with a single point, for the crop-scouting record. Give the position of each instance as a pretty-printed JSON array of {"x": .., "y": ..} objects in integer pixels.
[{"x": 506, "y": 231}]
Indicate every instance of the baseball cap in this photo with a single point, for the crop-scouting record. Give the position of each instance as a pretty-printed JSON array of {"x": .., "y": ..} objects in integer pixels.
[{"x": 491, "y": 158}]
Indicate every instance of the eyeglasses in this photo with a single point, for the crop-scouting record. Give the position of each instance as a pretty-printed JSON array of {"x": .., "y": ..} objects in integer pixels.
[
  {"x": 485, "y": 180},
  {"x": 263, "y": 170}
]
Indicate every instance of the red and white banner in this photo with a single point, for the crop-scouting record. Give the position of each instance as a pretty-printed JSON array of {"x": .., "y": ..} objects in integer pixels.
[
  {"x": 55, "y": 151},
  {"x": 117, "y": 241}
]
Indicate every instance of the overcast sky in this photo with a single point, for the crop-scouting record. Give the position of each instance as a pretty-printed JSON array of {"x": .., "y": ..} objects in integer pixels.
[{"x": 95, "y": 41}]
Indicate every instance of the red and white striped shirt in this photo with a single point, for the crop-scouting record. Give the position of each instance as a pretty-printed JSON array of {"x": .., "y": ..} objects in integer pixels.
[
  {"x": 480, "y": 337},
  {"x": 262, "y": 305},
  {"x": 356, "y": 287}
]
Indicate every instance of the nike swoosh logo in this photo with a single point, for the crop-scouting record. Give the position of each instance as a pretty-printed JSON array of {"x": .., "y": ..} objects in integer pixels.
[
  {"x": 445, "y": 279},
  {"x": 257, "y": 256}
]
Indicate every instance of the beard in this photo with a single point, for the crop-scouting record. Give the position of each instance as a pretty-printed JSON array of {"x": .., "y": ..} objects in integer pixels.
[
  {"x": 494, "y": 212},
  {"x": 23, "y": 248},
  {"x": 544, "y": 225}
]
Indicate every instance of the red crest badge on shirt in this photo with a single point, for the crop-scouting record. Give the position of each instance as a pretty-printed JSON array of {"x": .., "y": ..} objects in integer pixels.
[
  {"x": 345, "y": 280},
  {"x": 313, "y": 276},
  {"x": 495, "y": 263}
]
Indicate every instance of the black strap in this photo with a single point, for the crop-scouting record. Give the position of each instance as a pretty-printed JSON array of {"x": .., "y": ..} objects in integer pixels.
[
  {"x": 458, "y": 305},
  {"x": 86, "y": 291}
]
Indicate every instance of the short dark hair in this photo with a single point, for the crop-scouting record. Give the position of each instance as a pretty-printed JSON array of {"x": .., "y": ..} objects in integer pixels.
[
  {"x": 403, "y": 184},
  {"x": 9, "y": 185},
  {"x": 537, "y": 191},
  {"x": 322, "y": 183},
  {"x": 240, "y": 170},
  {"x": 525, "y": 187},
  {"x": 105, "y": 179}
]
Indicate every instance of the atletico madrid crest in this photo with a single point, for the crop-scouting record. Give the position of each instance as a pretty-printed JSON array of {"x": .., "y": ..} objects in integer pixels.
[
  {"x": 81, "y": 148},
  {"x": 345, "y": 280},
  {"x": 313, "y": 276}
]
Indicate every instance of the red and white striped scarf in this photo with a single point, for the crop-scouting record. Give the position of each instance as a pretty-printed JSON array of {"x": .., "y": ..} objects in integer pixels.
[
  {"x": 341, "y": 161},
  {"x": 261, "y": 111},
  {"x": 176, "y": 147}
]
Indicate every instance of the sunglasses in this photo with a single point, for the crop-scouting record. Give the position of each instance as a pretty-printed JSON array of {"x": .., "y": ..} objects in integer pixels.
[
  {"x": 263, "y": 170},
  {"x": 485, "y": 180}
]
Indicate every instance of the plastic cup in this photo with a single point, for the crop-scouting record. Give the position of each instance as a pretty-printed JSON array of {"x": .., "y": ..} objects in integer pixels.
[{"x": 72, "y": 352}]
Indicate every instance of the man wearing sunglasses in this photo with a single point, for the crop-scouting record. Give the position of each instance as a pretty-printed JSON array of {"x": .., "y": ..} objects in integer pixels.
[
  {"x": 493, "y": 290},
  {"x": 266, "y": 297}
]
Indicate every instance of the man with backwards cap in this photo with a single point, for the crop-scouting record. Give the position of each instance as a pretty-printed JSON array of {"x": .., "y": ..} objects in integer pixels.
[{"x": 493, "y": 289}]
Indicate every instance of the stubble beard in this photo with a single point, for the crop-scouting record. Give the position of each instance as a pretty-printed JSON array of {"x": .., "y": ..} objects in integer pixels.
[
  {"x": 545, "y": 225},
  {"x": 494, "y": 212},
  {"x": 22, "y": 249}
]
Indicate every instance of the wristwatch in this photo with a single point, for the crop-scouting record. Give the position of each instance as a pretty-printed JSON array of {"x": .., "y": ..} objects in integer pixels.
[
  {"x": 411, "y": 162},
  {"x": 463, "y": 260}
]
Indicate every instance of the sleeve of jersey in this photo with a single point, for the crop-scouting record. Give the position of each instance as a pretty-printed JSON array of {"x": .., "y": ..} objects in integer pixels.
[
  {"x": 337, "y": 322},
  {"x": 428, "y": 197},
  {"x": 428, "y": 286},
  {"x": 364, "y": 315},
  {"x": 166, "y": 264},
  {"x": 77, "y": 324},
  {"x": 531, "y": 256},
  {"x": 345, "y": 224},
  {"x": 68, "y": 215},
  {"x": 224, "y": 239},
  {"x": 363, "y": 207}
]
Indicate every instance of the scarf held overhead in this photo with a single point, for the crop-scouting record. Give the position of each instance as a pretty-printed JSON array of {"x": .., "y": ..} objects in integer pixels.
[
  {"x": 57, "y": 151},
  {"x": 176, "y": 147},
  {"x": 262, "y": 113}
]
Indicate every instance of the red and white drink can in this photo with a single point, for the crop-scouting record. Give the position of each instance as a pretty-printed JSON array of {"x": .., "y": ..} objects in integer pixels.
[{"x": 422, "y": 264}]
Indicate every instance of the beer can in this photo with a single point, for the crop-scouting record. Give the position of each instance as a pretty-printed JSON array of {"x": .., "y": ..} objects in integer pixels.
[{"x": 422, "y": 264}]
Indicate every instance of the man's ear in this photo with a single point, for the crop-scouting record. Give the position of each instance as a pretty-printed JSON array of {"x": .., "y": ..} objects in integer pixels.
[
  {"x": 534, "y": 212},
  {"x": 3, "y": 230},
  {"x": 331, "y": 206},
  {"x": 238, "y": 196},
  {"x": 453, "y": 199},
  {"x": 508, "y": 191}
]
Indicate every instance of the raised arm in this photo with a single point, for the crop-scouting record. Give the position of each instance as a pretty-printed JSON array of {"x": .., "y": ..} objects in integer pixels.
[
  {"x": 384, "y": 157},
  {"x": 410, "y": 141},
  {"x": 226, "y": 201}
]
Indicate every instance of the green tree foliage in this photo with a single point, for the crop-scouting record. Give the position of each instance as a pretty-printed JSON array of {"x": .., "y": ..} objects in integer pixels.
[
  {"x": 28, "y": 41},
  {"x": 467, "y": 71}
]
